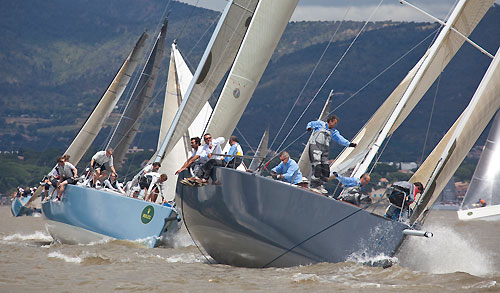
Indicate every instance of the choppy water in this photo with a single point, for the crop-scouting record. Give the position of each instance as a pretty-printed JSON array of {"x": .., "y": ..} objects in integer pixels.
[{"x": 460, "y": 256}]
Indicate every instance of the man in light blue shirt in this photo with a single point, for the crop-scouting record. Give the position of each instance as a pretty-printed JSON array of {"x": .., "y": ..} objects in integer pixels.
[
  {"x": 319, "y": 145},
  {"x": 288, "y": 170},
  {"x": 352, "y": 192}
]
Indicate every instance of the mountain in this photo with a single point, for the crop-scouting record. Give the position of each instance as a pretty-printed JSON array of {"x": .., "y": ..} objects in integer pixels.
[{"x": 57, "y": 58}]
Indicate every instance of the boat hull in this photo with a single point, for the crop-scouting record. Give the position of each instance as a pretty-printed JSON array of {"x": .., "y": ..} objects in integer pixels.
[
  {"x": 252, "y": 221},
  {"x": 86, "y": 215},
  {"x": 18, "y": 207},
  {"x": 487, "y": 213}
]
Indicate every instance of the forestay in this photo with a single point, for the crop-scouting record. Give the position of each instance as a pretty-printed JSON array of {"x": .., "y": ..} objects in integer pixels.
[
  {"x": 447, "y": 156},
  {"x": 263, "y": 35},
  {"x": 261, "y": 152},
  {"x": 103, "y": 109},
  {"x": 214, "y": 63},
  {"x": 408, "y": 93},
  {"x": 128, "y": 125}
]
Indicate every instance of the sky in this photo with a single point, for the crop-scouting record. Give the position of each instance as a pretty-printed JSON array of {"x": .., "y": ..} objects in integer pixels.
[{"x": 359, "y": 9}]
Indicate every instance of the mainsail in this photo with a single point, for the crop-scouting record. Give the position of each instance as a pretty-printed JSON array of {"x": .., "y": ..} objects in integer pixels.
[
  {"x": 263, "y": 35},
  {"x": 446, "y": 157},
  {"x": 485, "y": 183},
  {"x": 128, "y": 125},
  {"x": 408, "y": 93},
  {"x": 214, "y": 64},
  {"x": 304, "y": 161},
  {"x": 103, "y": 109}
]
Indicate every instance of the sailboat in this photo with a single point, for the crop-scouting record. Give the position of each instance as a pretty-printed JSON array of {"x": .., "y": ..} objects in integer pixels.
[
  {"x": 86, "y": 215},
  {"x": 252, "y": 221},
  {"x": 484, "y": 181}
]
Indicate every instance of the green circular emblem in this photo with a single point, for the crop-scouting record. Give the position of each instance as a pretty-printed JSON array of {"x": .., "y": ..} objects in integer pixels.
[
  {"x": 469, "y": 214},
  {"x": 147, "y": 214}
]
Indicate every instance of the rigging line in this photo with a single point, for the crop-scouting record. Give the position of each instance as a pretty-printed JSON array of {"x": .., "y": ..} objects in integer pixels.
[
  {"x": 380, "y": 154},
  {"x": 430, "y": 119},
  {"x": 199, "y": 40},
  {"x": 386, "y": 69},
  {"x": 310, "y": 76},
  {"x": 321, "y": 231},
  {"x": 246, "y": 141},
  {"x": 333, "y": 70}
]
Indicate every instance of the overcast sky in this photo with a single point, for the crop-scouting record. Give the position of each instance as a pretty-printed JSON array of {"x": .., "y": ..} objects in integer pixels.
[{"x": 360, "y": 9}]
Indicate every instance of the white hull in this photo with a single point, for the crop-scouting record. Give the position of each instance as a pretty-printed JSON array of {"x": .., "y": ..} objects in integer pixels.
[
  {"x": 487, "y": 213},
  {"x": 72, "y": 235}
]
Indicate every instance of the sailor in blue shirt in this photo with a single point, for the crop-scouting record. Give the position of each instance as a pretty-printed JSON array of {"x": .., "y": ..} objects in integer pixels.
[
  {"x": 287, "y": 170},
  {"x": 352, "y": 192},
  {"x": 319, "y": 145}
]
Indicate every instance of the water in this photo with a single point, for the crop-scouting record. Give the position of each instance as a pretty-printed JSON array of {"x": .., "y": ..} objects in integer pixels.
[{"x": 461, "y": 256}]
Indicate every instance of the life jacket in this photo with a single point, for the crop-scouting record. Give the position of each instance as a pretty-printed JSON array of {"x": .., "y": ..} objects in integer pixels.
[{"x": 399, "y": 194}]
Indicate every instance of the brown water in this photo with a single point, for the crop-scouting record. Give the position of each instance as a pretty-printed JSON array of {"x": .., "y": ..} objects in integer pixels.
[{"x": 460, "y": 256}]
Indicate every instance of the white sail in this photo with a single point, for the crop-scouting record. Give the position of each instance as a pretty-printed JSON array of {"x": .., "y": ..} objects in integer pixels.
[
  {"x": 485, "y": 182},
  {"x": 304, "y": 161},
  {"x": 128, "y": 125},
  {"x": 263, "y": 35},
  {"x": 403, "y": 99},
  {"x": 103, "y": 109},
  {"x": 179, "y": 77},
  {"x": 261, "y": 152},
  {"x": 447, "y": 156},
  {"x": 214, "y": 64}
]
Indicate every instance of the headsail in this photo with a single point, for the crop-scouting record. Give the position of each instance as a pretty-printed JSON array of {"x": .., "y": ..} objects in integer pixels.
[
  {"x": 103, "y": 109},
  {"x": 214, "y": 64},
  {"x": 485, "y": 182},
  {"x": 444, "y": 160},
  {"x": 304, "y": 161},
  {"x": 261, "y": 152},
  {"x": 128, "y": 125},
  {"x": 264, "y": 33},
  {"x": 403, "y": 99}
]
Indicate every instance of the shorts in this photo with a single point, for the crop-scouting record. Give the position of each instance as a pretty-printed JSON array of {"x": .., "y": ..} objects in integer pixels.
[
  {"x": 70, "y": 180},
  {"x": 98, "y": 166}
]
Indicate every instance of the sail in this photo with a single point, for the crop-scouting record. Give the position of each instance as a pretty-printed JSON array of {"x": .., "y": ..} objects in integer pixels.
[
  {"x": 264, "y": 33},
  {"x": 304, "y": 161},
  {"x": 446, "y": 157},
  {"x": 408, "y": 93},
  {"x": 261, "y": 152},
  {"x": 103, "y": 109},
  {"x": 214, "y": 64},
  {"x": 179, "y": 77},
  {"x": 485, "y": 182},
  {"x": 128, "y": 125}
]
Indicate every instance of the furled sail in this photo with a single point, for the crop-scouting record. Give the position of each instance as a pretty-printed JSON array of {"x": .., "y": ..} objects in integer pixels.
[
  {"x": 103, "y": 109},
  {"x": 264, "y": 33},
  {"x": 128, "y": 125},
  {"x": 304, "y": 161},
  {"x": 408, "y": 93},
  {"x": 446, "y": 157},
  {"x": 214, "y": 64},
  {"x": 261, "y": 152},
  {"x": 485, "y": 182}
]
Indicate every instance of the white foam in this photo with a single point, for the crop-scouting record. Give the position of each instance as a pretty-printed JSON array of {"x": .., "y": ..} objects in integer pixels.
[
  {"x": 70, "y": 259},
  {"x": 185, "y": 258},
  {"x": 300, "y": 277},
  {"x": 446, "y": 252},
  {"x": 38, "y": 235}
]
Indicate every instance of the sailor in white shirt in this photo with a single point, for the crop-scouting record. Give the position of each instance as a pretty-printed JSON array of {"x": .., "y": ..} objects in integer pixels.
[
  {"x": 195, "y": 160},
  {"x": 99, "y": 162},
  {"x": 212, "y": 146},
  {"x": 67, "y": 174},
  {"x": 155, "y": 187}
]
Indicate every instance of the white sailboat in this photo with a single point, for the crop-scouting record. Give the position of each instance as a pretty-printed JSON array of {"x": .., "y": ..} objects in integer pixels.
[{"x": 484, "y": 182}]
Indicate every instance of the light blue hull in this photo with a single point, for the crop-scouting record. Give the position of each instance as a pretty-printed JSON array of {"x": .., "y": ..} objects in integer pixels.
[
  {"x": 18, "y": 209},
  {"x": 86, "y": 214}
]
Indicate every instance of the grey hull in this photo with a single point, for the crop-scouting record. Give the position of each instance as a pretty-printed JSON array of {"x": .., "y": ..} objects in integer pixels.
[{"x": 252, "y": 221}]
